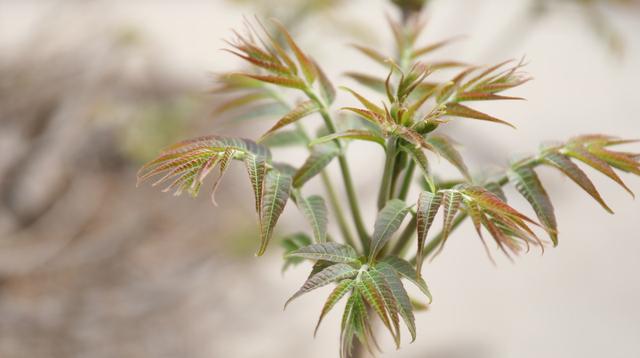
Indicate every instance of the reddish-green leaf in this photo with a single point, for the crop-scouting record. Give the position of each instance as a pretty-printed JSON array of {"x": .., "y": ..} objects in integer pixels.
[
  {"x": 276, "y": 189},
  {"x": 428, "y": 205},
  {"x": 596, "y": 163},
  {"x": 576, "y": 174},
  {"x": 445, "y": 148},
  {"x": 451, "y": 200},
  {"x": 341, "y": 289},
  {"x": 528, "y": 184},
  {"x": 400, "y": 295},
  {"x": 307, "y": 66},
  {"x": 300, "y": 111},
  {"x": 459, "y": 110},
  {"x": 290, "y": 82}
]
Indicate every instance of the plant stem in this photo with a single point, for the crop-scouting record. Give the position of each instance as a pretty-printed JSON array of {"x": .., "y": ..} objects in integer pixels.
[
  {"x": 346, "y": 173},
  {"x": 337, "y": 208},
  {"x": 333, "y": 197},
  {"x": 406, "y": 182},
  {"x": 385, "y": 185}
]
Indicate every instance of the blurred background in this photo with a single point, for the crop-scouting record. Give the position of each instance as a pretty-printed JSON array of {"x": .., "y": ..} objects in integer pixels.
[{"x": 91, "y": 266}]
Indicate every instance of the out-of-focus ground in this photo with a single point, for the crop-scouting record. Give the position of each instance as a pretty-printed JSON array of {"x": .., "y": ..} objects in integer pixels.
[{"x": 91, "y": 266}]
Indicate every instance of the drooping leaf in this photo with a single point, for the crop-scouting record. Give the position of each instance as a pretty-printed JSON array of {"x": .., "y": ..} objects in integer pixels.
[
  {"x": 314, "y": 210},
  {"x": 276, "y": 189},
  {"x": 451, "y": 200},
  {"x": 328, "y": 251},
  {"x": 459, "y": 110},
  {"x": 188, "y": 162},
  {"x": 428, "y": 205},
  {"x": 257, "y": 169},
  {"x": 445, "y": 148},
  {"x": 300, "y": 111},
  {"x": 528, "y": 184},
  {"x": 356, "y": 134},
  {"x": 292, "y": 243},
  {"x": 341, "y": 289},
  {"x": 492, "y": 202},
  {"x": 387, "y": 222},
  {"x": 583, "y": 155},
  {"x": 400, "y": 295},
  {"x": 319, "y": 158},
  {"x": 333, "y": 273},
  {"x": 227, "y": 155},
  {"x": 576, "y": 174},
  {"x": 406, "y": 270},
  {"x": 370, "y": 290}
]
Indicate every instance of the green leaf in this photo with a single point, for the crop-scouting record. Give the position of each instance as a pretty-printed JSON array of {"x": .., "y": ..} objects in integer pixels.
[
  {"x": 570, "y": 169},
  {"x": 285, "y": 139},
  {"x": 428, "y": 205},
  {"x": 341, "y": 289},
  {"x": 400, "y": 295},
  {"x": 445, "y": 148},
  {"x": 370, "y": 290},
  {"x": 314, "y": 210},
  {"x": 387, "y": 222},
  {"x": 365, "y": 102},
  {"x": 292, "y": 243},
  {"x": 459, "y": 110},
  {"x": 328, "y": 251},
  {"x": 257, "y": 169},
  {"x": 350, "y": 134},
  {"x": 404, "y": 269},
  {"x": 333, "y": 273},
  {"x": 300, "y": 111},
  {"x": 375, "y": 281},
  {"x": 528, "y": 184},
  {"x": 276, "y": 189},
  {"x": 319, "y": 158}
]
